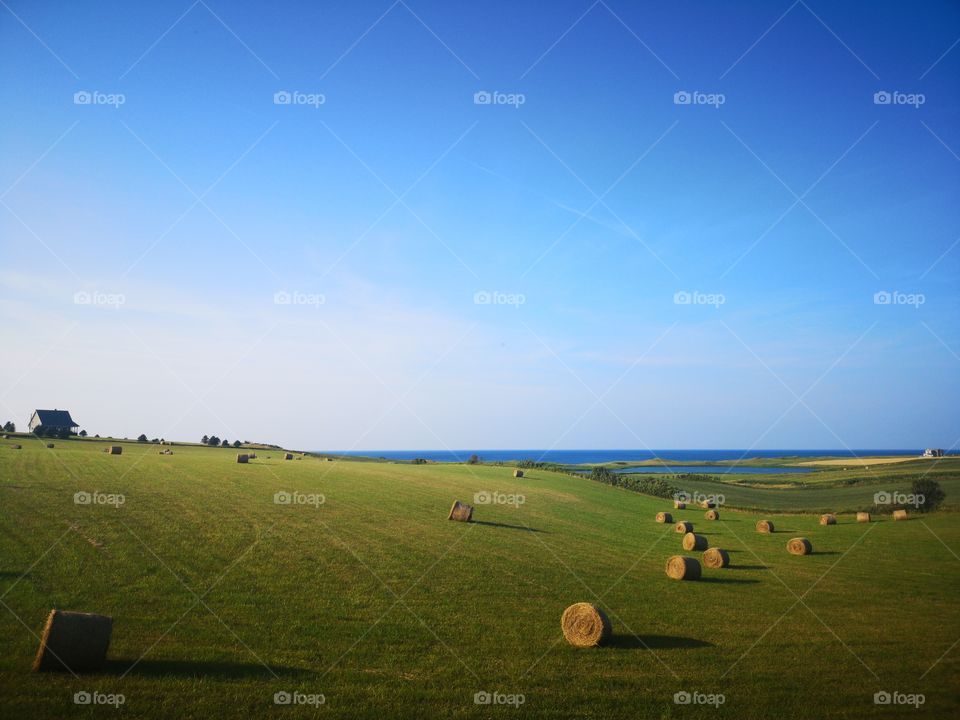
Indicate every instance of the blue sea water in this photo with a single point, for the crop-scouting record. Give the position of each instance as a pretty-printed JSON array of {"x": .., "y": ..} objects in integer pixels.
[{"x": 573, "y": 457}]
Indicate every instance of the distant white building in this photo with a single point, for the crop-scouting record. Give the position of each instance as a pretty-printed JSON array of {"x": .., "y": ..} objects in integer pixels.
[{"x": 933, "y": 452}]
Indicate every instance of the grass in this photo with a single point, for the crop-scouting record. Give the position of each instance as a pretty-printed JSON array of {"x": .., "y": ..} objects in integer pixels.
[{"x": 222, "y": 598}]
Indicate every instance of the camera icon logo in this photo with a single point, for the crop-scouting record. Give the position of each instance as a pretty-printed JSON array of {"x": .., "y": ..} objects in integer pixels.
[
  {"x": 882, "y": 498},
  {"x": 682, "y": 698},
  {"x": 482, "y": 698},
  {"x": 482, "y": 498},
  {"x": 282, "y": 497},
  {"x": 882, "y": 698},
  {"x": 82, "y": 498},
  {"x": 82, "y": 698},
  {"x": 82, "y": 97},
  {"x": 482, "y": 97},
  {"x": 682, "y": 298},
  {"x": 282, "y": 698},
  {"x": 682, "y": 97},
  {"x": 282, "y": 97},
  {"x": 482, "y": 297},
  {"x": 882, "y": 97},
  {"x": 281, "y": 297},
  {"x": 882, "y": 298}
]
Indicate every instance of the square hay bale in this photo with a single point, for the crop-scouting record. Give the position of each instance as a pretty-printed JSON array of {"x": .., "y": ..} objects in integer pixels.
[
  {"x": 243, "y": 459},
  {"x": 73, "y": 641},
  {"x": 115, "y": 450},
  {"x": 518, "y": 473},
  {"x": 288, "y": 456},
  {"x": 461, "y": 512}
]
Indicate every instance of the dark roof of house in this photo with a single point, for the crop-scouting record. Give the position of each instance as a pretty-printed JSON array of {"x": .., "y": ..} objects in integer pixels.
[{"x": 56, "y": 418}]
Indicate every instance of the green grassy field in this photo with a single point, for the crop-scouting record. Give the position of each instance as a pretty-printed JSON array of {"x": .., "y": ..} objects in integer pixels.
[{"x": 222, "y": 597}]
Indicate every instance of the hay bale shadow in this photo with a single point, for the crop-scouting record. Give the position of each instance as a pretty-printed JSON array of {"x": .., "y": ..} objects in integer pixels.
[
  {"x": 505, "y": 525},
  {"x": 655, "y": 642},
  {"x": 730, "y": 581},
  {"x": 749, "y": 567},
  {"x": 200, "y": 669}
]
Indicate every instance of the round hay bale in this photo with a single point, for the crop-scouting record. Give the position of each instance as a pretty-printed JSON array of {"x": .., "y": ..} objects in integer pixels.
[
  {"x": 518, "y": 473},
  {"x": 899, "y": 514},
  {"x": 765, "y": 526},
  {"x": 679, "y": 505},
  {"x": 716, "y": 558},
  {"x": 585, "y": 625},
  {"x": 73, "y": 641},
  {"x": 706, "y": 504},
  {"x": 683, "y": 568},
  {"x": 16, "y": 446},
  {"x": 288, "y": 456},
  {"x": 664, "y": 517},
  {"x": 799, "y": 546},
  {"x": 252, "y": 456},
  {"x": 461, "y": 512},
  {"x": 683, "y": 527},
  {"x": 712, "y": 515},
  {"x": 828, "y": 519},
  {"x": 243, "y": 459},
  {"x": 50, "y": 446},
  {"x": 863, "y": 517},
  {"x": 115, "y": 449},
  {"x": 692, "y": 541}
]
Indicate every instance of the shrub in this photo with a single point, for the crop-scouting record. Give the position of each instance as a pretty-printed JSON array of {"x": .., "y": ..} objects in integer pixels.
[
  {"x": 933, "y": 494},
  {"x": 141, "y": 438}
]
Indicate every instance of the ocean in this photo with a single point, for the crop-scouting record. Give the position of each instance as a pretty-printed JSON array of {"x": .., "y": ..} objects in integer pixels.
[{"x": 574, "y": 457}]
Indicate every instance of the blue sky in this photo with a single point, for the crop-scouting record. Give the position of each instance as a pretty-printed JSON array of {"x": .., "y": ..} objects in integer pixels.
[{"x": 151, "y": 237}]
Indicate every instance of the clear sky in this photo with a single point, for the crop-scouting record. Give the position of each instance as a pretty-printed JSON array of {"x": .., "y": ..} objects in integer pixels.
[{"x": 477, "y": 225}]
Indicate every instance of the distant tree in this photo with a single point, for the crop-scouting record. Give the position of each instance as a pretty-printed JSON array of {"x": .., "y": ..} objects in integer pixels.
[
  {"x": 155, "y": 440},
  {"x": 83, "y": 433},
  {"x": 141, "y": 438},
  {"x": 64, "y": 433},
  {"x": 473, "y": 460},
  {"x": 933, "y": 495},
  {"x": 213, "y": 441},
  {"x": 236, "y": 443},
  {"x": 97, "y": 435},
  {"x": 9, "y": 426},
  {"x": 205, "y": 440},
  {"x": 225, "y": 443}
]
